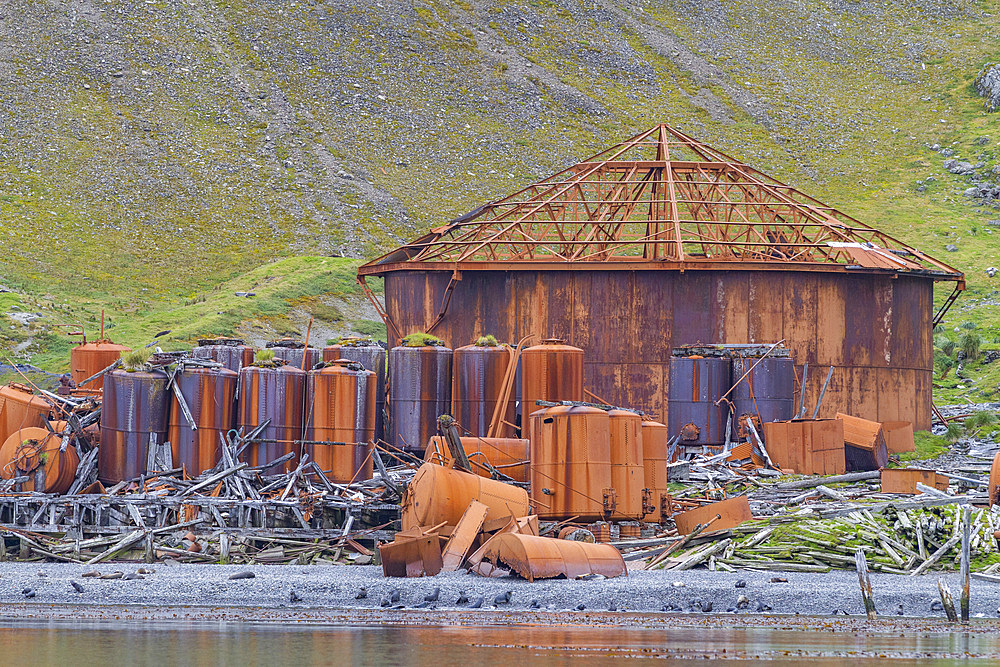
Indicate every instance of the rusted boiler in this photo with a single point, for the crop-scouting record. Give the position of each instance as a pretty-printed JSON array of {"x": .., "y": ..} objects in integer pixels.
[
  {"x": 372, "y": 356},
  {"x": 419, "y": 393},
  {"x": 478, "y": 373},
  {"x": 696, "y": 383},
  {"x": 210, "y": 395},
  {"x": 441, "y": 495},
  {"x": 20, "y": 408},
  {"x": 627, "y": 474},
  {"x": 274, "y": 393},
  {"x": 88, "y": 359},
  {"x": 551, "y": 371},
  {"x": 232, "y": 353},
  {"x": 33, "y": 452},
  {"x": 654, "y": 464},
  {"x": 340, "y": 409},
  {"x": 765, "y": 394},
  {"x": 133, "y": 415}
]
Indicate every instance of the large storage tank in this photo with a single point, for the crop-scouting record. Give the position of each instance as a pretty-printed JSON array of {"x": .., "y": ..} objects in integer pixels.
[
  {"x": 88, "y": 359},
  {"x": 766, "y": 394},
  {"x": 441, "y": 495},
  {"x": 291, "y": 351},
  {"x": 232, "y": 353},
  {"x": 272, "y": 393},
  {"x": 654, "y": 463},
  {"x": 210, "y": 394},
  {"x": 627, "y": 474},
  {"x": 570, "y": 462},
  {"x": 552, "y": 371},
  {"x": 340, "y": 408},
  {"x": 20, "y": 408},
  {"x": 134, "y": 410},
  {"x": 696, "y": 383},
  {"x": 33, "y": 452},
  {"x": 371, "y": 355},
  {"x": 478, "y": 373},
  {"x": 419, "y": 393},
  {"x": 508, "y": 456}
]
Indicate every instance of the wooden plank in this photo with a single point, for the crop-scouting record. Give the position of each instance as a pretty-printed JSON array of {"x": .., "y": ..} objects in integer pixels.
[{"x": 464, "y": 535}]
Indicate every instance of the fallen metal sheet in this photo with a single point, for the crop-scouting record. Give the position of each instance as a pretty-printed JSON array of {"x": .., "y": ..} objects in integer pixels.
[
  {"x": 535, "y": 557},
  {"x": 904, "y": 480},
  {"x": 864, "y": 444},
  {"x": 733, "y": 512},
  {"x": 465, "y": 534},
  {"x": 899, "y": 437},
  {"x": 412, "y": 556}
]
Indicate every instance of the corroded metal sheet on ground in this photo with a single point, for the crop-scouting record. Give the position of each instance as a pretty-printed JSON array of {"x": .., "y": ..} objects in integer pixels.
[{"x": 535, "y": 557}]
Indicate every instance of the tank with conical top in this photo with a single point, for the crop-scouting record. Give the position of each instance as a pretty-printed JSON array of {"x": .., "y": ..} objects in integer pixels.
[{"x": 551, "y": 371}]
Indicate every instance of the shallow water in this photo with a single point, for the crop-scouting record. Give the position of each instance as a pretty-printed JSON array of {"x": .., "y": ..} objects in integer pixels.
[{"x": 108, "y": 643}]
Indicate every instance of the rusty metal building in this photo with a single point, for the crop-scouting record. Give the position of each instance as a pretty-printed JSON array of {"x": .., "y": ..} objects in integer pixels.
[{"x": 663, "y": 241}]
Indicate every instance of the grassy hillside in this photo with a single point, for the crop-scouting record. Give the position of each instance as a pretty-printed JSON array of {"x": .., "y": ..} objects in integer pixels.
[{"x": 157, "y": 157}]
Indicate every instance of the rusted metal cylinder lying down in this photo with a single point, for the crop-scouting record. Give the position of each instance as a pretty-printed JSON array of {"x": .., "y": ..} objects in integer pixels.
[{"x": 441, "y": 495}]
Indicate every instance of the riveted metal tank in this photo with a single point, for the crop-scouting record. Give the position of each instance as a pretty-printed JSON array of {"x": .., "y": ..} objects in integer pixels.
[
  {"x": 210, "y": 394},
  {"x": 232, "y": 353},
  {"x": 371, "y": 355},
  {"x": 34, "y": 452},
  {"x": 441, "y": 495},
  {"x": 696, "y": 383},
  {"x": 419, "y": 393},
  {"x": 654, "y": 465},
  {"x": 766, "y": 394},
  {"x": 291, "y": 351},
  {"x": 478, "y": 373},
  {"x": 87, "y": 359},
  {"x": 273, "y": 393},
  {"x": 134, "y": 410},
  {"x": 627, "y": 474},
  {"x": 507, "y": 455},
  {"x": 571, "y": 463},
  {"x": 20, "y": 408},
  {"x": 552, "y": 371},
  {"x": 340, "y": 408}
]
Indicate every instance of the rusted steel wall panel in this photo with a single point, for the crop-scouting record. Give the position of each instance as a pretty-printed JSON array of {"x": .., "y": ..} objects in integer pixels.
[
  {"x": 824, "y": 318},
  {"x": 211, "y": 397},
  {"x": 234, "y": 356},
  {"x": 765, "y": 394},
  {"x": 695, "y": 386},
  {"x": 135, "y": 407}
]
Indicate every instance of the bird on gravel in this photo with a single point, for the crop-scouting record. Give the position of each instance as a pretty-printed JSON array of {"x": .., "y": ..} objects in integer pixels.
[
  {"x": 362, "y": 594},
  {"x": 612, "y": 607},
  {"x": 742, "y": 583},
  {"x": 294, "y": 597},
  {"x": 76, "y": 587},
  {"x": 761, "y": 606},
  {"x": 503, "y": 598},
  {"x": 937, "y": 606},
  {"x": 28, "y": 593},
  {"x": 534, "y": 605},
  {"x": 433, "y": 597},
  {"x": 581, "y": 607},
  {"x": 462, "y": 598},
  {"x": 394, "y": 595},
  {"x": 899, "y": 609},
  {"x": 477, "y": 603}
]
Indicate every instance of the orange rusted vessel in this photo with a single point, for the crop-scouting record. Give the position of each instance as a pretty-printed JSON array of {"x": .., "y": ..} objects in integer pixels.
[
  {"x": 87, "y": 359},
  {"x": 210, "y": 394},
  {"x": 507, "y": 455},
  {"x": 340, "y": 408},
  {"x": 571, "y": 463},
  {"x": 232, "y": 353},
  {"x": 551, "y": 371},
  {"x": 627, "y": 474},
  {"x": 370, "y": 354},
  {"x": 419, "y": 393},
  {"x": 535, "y": 557},
  {"x": 477, "y": 381},
  {"x": 275, "y": 394},
  {"x": 654, "y": 465},
  {"x": 20, "y": 408},
  {"x": 134, "y": 412},
  {"x": 441, "y": 495},
  {"x": 34, "y": 453}
]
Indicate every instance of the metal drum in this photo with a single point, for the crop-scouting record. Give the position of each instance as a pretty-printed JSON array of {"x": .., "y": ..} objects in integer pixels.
[
  {"x": 34, "y": 453},
  {"x": 441, "y": 495},
  {"x": 371, "y": 355},
  {"x": 134, "y": 412},
  {"x": 551, "y": 371},
  {"x": 766, "y": 394},
  {"x": 88, "y": 359},
  {"x": 508, "y": 456},
  {"x": 654, "y": 466},
  {"x": 627, "y": 474},
  {"x": 478, "y": 377},
  {"x": 276, "y": 394},
  {"x": 571, "y": 463},
  {"x": 340, "y": 408},
  {"x": 419, "y": 393},
  {"x": 20, "y": 408},
  {"x": 210, "y": 395},
  {"x": 696, "y": 383},
  {"x": 232, "y": 353},
  {"x": 291, "y": 351}
]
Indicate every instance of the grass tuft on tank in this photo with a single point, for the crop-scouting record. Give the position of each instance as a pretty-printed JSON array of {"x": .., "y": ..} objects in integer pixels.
[
  {"x": 265, "y": 359},
  {"x": 487, "y": 341},
  {"x": 135, "y": 360},
  {"x": 420, "y": 339}
]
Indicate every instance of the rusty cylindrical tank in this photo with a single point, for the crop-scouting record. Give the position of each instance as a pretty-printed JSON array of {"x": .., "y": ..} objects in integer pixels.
[
  {"x": 438, "y": 494},
  {"x": 340, "y": 408},
  {"x": 654, "y": 464},
  {"x": 508, "y": 455},
  {"x": 210, "y": 395},
  {"x": 87, "y": 359},
  {"x": 275, "y": 393},
  {"x": 696, "y": 383},
  {"x": 627, "y": 474},
  {"x": 478, "y": 374},
  {"x": 571, "y": 463},
  {"x": 134, "y": 410},
  {"x": 419, "y": 393},
  {"x": 765, "y": 395},
  {"x": 291, "y": 351},
  {"x": 552, "y": 371},
  {"x": 20, "y": 408},
  {"x": 371, "y": 355},
  {"x": 232, "y": 353},
  {"x": 34, "y": 452}
]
